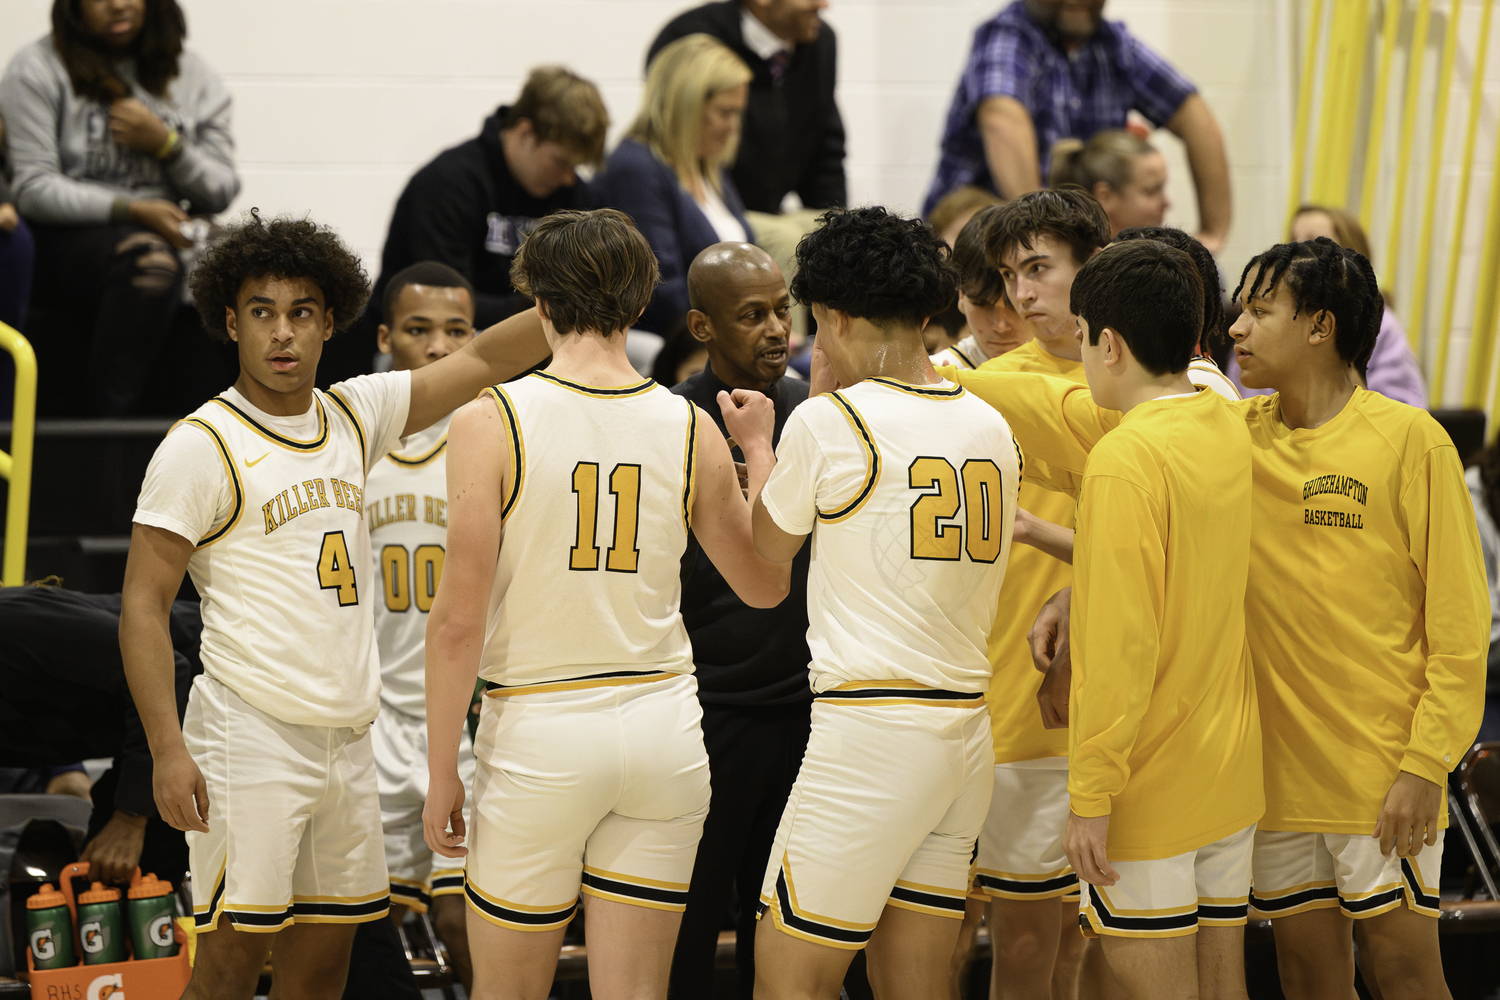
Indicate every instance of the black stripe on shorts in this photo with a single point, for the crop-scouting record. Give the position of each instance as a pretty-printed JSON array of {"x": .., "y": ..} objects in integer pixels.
[
  {"x": 646, "y": 893},
  {"x": 500, "y": 912},
  {"x": 1028, "y": 888},
  {"x": 908, "y": 895},
  {"x": 1166, "y": 922},
  {"x": 813, "y": 927},
  {"x": 368, "y": 908},
  {"x": 1218, "y": 911},
  {"x": 1293, "y": 900},
  {"x": 1419, "y": 897}
]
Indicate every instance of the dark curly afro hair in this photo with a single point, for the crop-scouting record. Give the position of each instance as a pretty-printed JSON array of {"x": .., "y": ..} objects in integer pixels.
[
  {"x": 281, "y": 248},
  {"x": 875, "y": 266}
]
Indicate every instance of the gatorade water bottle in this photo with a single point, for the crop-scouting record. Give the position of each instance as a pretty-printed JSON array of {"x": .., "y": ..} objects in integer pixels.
[
  {"x": 99, "y": 929},
  {"x": 49, "y": 929},
  {"x": 150, "y": 914}
]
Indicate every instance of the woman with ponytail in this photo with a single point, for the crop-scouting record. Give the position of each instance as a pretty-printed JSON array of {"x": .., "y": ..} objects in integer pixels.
[{"x": 1124, "y": 173}]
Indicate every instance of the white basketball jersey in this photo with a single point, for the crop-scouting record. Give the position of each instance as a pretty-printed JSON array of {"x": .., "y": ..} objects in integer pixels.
[
  {"x": 1203, "y": 372},
  {"x": 587, "y": 587},
  {"x": 406, "y": 507},
  {"x": 909, "y": 493},
  {"x": 284, "y": 569}
]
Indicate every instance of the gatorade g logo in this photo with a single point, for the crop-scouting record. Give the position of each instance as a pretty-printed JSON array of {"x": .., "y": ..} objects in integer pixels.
[
  {"x": 92, "y": 936},
  {"x": 42, "y": 945},
  {"x": 160, "y": 931},
  {"x": 107, "y": 988}
]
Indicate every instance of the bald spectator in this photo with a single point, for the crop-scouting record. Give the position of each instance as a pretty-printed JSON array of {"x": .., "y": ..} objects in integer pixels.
[
  {"x": 751, "y": 664},
  {"x": 1044, "y": 70}
]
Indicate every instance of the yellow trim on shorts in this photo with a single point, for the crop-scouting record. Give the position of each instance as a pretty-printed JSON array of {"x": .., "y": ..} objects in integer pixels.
[
  {"x": 958, "y": 895},
  {"x": 471, "y": 890},
  {"x": 791, "y": 891},
  {"x": 937, "y": 697}
]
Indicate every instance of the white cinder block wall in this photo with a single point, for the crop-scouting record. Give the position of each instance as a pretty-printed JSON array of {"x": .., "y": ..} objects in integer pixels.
[{"x": 338, "y": 101}]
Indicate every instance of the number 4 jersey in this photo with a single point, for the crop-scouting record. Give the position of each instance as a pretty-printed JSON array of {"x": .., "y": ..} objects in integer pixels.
[
  {"x": 406, "y": 507},
  {"x": 276, "y": 509},
  {"x": 909, "y": 493},
  {"x": 587, "y": 586}
]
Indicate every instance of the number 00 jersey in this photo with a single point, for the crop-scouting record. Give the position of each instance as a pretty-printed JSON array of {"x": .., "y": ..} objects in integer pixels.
[
  {"x": 406, "y": 507},
  {"x": 276, "y": 508},
  {"x": 596, "y": 521},
  {"x": 909, "y": 493}
]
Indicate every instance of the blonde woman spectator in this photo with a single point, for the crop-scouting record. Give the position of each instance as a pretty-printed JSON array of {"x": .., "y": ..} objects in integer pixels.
[
  {"x": 1124, "y": 173},
  {"x": 670, "y": 172}
]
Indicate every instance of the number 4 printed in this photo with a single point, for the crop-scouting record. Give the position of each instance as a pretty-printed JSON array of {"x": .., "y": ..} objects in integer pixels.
[{"x": 335, "y": 572}]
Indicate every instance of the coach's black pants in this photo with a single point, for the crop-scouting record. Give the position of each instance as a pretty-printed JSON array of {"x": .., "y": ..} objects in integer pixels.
[{"x": 753, "y": 755}]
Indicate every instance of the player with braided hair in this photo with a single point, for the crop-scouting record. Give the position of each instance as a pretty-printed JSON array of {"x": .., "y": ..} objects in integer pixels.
[{"x": 1368, "y": 621}]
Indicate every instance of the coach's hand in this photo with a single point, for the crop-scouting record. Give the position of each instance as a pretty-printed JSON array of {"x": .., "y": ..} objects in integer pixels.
[
  {"x": 115, "y": 851},
  {"x": 1084, "y": 841},
  {"x": 1052, "y": 696},
  {"x": 443, "y": 815},
  {"x": 1409, "y": 817},
  {"x": 180, "y": 792},
  {"x": 1049, "y": 636}
]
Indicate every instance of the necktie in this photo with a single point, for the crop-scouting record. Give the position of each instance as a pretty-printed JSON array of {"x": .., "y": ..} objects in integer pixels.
[{"x": 778, "y": 62}]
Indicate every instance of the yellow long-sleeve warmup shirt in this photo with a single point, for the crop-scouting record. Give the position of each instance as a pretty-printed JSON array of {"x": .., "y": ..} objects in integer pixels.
[
  {"x": 1368, "y": 611},
  {"x": 1031, "y": 577},
  {"x": 1164, "y": 731}
]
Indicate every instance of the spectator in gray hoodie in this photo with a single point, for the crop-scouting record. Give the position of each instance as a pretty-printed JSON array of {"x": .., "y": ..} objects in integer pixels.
[{"x": 116, "y": 136}]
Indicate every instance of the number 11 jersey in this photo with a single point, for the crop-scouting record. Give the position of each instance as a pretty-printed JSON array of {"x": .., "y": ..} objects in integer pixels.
[
  {"x": 596, "y": 518},
  {"x": 909, "y": 492}
]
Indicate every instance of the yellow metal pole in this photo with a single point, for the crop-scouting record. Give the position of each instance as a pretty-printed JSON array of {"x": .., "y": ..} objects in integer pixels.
[
  {"x": 1389, "y": 30},
  {"x": 18, "y": 466},
  {"x": 1438, "y": 376},
  {"x": 1477, "y": 377},
  {"x": 1487, "y": 304},
  {"x": 1354, "y": 71},
  {"x": 1304, "y": 111},
  {"x": 1330, "y": 122},
  {"x": 1403, "y": 162}
]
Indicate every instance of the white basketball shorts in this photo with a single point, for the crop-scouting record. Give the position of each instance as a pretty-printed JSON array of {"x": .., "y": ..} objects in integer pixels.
[
  {"x": 1296, "y": 872},
  {"x": 1170, "y": 897},
  {"x": 1021, "y": 852}
]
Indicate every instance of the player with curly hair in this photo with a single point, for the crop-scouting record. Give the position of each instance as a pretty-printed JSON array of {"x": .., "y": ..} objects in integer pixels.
[
  {"x": 259, "y": 496},
  {"x": 908, "y": 485}
]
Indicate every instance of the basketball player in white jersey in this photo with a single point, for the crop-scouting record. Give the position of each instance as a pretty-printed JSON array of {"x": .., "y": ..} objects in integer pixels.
[
  {"x": 259, "y": 494},
  {"x": 571, "y": 493},
  {"x": 427, "y": 313},
  {"x": 908, "y": 488}
]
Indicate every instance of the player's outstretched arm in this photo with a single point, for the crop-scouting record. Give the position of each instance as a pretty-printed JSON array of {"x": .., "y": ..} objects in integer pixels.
[
  {"x": 720, "y": 513},
  {"x": 478, "y": 475},
  {"x": 1053, "y": 539},
  {"x": 153, "y": 573},
  {"x": 499, "y": 354}
]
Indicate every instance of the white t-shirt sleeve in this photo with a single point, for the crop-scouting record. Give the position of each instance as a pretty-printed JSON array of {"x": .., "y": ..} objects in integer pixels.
[
  {"x": 380, "y": 404},
  {"x": 187, "y": 490}
]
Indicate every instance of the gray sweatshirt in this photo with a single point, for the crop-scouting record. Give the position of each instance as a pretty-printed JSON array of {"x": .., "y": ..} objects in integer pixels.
[{"x": 65, "y": 169}]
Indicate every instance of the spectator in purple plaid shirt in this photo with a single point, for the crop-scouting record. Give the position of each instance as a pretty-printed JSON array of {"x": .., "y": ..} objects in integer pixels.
[{"x": 1044, "y": 70}]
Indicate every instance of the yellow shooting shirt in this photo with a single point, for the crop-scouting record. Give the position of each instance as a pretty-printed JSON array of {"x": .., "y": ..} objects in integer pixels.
[
  {"x": 1031, "y": 577},
  {"x": 1367, "y": 606}
]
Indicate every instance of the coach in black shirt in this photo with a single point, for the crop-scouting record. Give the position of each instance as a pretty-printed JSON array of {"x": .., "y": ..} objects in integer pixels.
[
  {"x": 751, "y": 664},
  {"x": 792, "y": 138}
]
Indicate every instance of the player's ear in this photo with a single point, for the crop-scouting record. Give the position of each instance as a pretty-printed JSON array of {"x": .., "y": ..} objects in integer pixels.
[
  {"x": 700, "y": 326},
  {"x": 1114, "y": 345},
  {"x": 231, "y": 324},
  {"x": 383, "y": 338},
  {"x": 327, "y": 323},
  {"x": 1323, "y": 328}
]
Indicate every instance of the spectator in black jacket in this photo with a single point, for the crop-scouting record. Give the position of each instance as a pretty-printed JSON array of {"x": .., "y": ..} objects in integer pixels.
[
  {"x": 792, "y": 138},
  {"x": 470, "y": 206},
  {"x": 751, "y": 664}
]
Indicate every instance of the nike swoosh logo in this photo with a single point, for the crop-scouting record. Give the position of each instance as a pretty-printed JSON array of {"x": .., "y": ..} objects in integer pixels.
[{"x": 250, "y": 465}]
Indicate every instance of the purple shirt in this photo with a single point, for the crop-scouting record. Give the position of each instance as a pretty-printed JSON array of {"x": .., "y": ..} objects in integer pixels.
[
  {"x": 1067, "y": 94},
  {"x": 1392, "y": 371}
]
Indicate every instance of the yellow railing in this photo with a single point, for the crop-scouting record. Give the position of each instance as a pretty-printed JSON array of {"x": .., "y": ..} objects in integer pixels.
[
  {"x": 1328, "y": 134},
  {"x": 16, "y": 466}
]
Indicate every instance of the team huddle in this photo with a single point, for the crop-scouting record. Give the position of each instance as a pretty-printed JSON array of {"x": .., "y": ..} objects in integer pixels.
[{"x": 1258, "y": 628}]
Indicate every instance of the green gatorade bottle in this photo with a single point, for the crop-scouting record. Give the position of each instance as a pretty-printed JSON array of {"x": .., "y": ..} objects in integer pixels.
[
  {"x": 99, "y": 927},
  {"x": 49, "y": 929},
  {"x": 150, "y": 914}
]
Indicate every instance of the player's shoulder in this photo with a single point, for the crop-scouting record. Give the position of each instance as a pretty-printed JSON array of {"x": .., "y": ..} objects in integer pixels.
[{"x": 1410, "y": 431}]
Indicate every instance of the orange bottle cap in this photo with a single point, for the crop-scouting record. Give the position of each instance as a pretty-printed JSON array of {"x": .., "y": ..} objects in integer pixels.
[
  {"x": 149, "y": 887},
  {"x": 46, "y": 898},
  {"x": 99, "y": 894}
]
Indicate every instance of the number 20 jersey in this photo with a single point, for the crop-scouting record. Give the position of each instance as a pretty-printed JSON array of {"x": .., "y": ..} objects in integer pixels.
[
  {"x": 587, "y": 586},
  {"x": 909, "y": 492}
]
